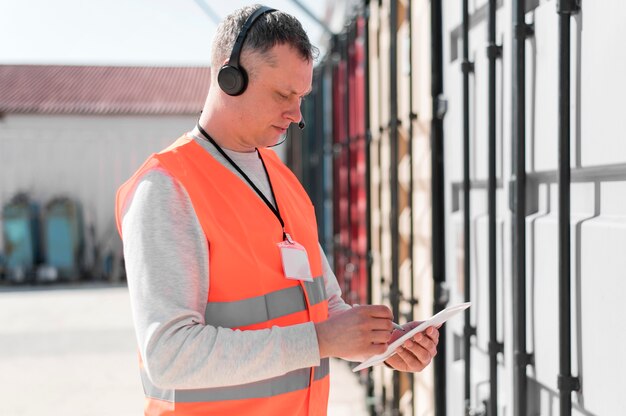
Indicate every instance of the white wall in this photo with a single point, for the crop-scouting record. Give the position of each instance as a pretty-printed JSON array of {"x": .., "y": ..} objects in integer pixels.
[{"x": 83, "y": 157}]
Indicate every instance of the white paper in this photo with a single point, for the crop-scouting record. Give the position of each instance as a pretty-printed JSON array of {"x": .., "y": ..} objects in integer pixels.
[{"x": 438, "y": 319}]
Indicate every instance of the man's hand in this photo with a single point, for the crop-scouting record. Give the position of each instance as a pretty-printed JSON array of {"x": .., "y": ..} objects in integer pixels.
[
  {"x": 355, "y": 334},
  {"x": 416, "y": 353}
]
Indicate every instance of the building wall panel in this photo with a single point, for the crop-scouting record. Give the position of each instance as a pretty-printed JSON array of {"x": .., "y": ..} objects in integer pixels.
[
  {"x": 601, "y": 81},
  {"x": 542, "y": 91},
  {"x": 601, "y": 285},
  {"x": 86, "y": 158}
]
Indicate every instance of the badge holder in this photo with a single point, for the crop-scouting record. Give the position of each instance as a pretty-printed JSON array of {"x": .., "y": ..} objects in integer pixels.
[{"x": 295, "y": 260}]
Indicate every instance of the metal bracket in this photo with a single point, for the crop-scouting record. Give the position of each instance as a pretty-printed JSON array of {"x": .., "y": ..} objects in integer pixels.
[
  {"x": 568, "y": 383},
  {"x": 467, "y": 67},
  {"x": 337, "y": 149},
  {"x": 469, "y": 331},
  {"x": 512, "y": 194},
  {"x": 494, "y": 51},
  {"x": 390, "y": 125},
  {"x": 524, "y": 30},
  {"x": 395, "y": 295},
  {"x": 568, "y": 6},
  {"x": 442, "y": 294},
  {"x": 496, "y": 348},
  {"x": 524, "y": 359},
  {"x": 441, "y": 106},
  {"x": 413, "y": 116},
  {"x": 411, "y": 301}
]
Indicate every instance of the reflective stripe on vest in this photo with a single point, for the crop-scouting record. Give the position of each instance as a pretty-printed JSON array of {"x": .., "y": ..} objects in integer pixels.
[
  {"x": 292, "y": 381},
  {"x": 264, "y": 308}
]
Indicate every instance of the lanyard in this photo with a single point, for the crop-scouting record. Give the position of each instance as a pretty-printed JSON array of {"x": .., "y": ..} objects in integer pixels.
[{"x": 275, "y": 210}]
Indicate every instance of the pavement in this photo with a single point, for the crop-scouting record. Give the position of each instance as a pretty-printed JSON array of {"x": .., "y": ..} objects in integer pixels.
[{"x": 70, "y": 350}]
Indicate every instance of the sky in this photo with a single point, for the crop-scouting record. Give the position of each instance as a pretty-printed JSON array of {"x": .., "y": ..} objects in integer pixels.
[{"x": 123, "y": 32}]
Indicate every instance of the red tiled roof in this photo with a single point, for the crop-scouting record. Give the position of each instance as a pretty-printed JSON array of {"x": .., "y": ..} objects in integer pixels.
[{"x": 59, "y": 89}]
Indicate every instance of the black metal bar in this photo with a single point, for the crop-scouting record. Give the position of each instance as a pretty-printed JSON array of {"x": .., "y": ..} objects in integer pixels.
[
  {"x": 466, "y": 67},
  {"x": 438, "y": 198},
  {"x": 327, "y": 140},
  {"x": 393, "y": 140},
  {"x": 368, "y": 141},
  {"x": 334, "y": 188},
  {"x": 493, "y": 52},
  {"x": 368, "y": 176},
  {"x": 564, "y": 213},
  {"x": 410, "y": 151},
  {"x": 520, "y": 380},
  {"x": 348, "y": 38},
  {"x": 410, "y": 202},
  {"x": 566, "y": 383}
]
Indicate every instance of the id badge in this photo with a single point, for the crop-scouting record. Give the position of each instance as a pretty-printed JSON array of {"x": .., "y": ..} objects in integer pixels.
[{"x": 295, "y": 260}]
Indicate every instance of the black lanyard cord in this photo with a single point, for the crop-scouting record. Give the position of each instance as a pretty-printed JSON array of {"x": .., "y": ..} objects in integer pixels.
[{"x": 275, "y": 210}]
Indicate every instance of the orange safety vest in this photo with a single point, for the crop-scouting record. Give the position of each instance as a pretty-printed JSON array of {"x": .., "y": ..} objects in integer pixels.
[{"x": 248, "y": 289}]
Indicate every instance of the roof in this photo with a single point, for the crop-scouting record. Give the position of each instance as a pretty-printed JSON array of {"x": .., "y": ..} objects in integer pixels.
[{"x": 60, "y": 89}]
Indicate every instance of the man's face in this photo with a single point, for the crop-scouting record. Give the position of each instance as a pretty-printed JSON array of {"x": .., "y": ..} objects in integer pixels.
[{"x": 273, "y": 97}]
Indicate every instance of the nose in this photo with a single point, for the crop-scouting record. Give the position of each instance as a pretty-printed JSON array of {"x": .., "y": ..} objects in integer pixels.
[{"x": 294, "y": 113}]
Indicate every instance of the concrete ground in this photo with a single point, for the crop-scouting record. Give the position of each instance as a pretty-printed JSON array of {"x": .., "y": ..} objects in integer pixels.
[{"x": 70, "y": 350}]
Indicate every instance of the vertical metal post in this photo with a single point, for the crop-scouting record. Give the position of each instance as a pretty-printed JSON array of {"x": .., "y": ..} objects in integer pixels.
[
  {"x": 368, "y": 175},
  {"x": 438, "y": 198},
  {"x": 493, "y": 53},
  {"x": 520, "y": 32},
  {"x": 329, "y": 164},
  {"x": 368, "y": 162},
  {"x": 335, "y": 140},
  {"x": 566, "y": 383},
  {"x": 393, "y": 139},
  {"x": 412, "y": 117},
  {"x": 346, "y": 149},
  {"x": 467, "y": 67}
]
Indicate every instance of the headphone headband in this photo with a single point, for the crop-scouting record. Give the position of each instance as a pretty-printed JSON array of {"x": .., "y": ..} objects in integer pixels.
[
  {"x": 241, "y": 37},
  {"x": 232, "y": 78}
]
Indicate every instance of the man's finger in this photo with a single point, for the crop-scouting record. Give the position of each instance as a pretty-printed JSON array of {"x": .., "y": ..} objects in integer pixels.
[
  {"x": 380, "y": 324},
  {"x": 410, "y": 359},
  {"x": 380, "y": 337},
  {"x": 380, "y": 311},
  {"x": 425, "y": 342}
]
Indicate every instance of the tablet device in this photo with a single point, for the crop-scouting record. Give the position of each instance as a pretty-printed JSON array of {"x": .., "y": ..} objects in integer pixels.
[{"x": 435, "y": 320}]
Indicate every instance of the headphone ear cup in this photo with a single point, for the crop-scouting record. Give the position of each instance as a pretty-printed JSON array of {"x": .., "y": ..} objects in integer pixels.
[{"x": 232, "y": 80}]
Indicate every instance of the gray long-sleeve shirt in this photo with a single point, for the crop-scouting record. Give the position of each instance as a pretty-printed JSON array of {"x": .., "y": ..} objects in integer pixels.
[{"x": 167, "y": 264}]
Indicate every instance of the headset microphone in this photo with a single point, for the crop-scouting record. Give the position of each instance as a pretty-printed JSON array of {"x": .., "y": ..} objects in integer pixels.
[{"x": 301, "y": 125}]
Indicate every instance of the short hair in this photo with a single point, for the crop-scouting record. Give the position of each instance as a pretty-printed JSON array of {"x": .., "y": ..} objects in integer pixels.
[{"x": 271, "y": 29}]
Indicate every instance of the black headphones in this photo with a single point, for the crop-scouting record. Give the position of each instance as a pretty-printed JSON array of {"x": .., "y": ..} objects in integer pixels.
[{"x": 232, "y": 78}]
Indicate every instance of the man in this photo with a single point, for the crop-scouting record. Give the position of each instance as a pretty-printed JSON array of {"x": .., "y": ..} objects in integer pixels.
[{"x": 235, "y": 307}]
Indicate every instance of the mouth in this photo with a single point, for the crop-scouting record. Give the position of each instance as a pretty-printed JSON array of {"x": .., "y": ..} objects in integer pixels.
[{"x": 282, "y": 130}]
